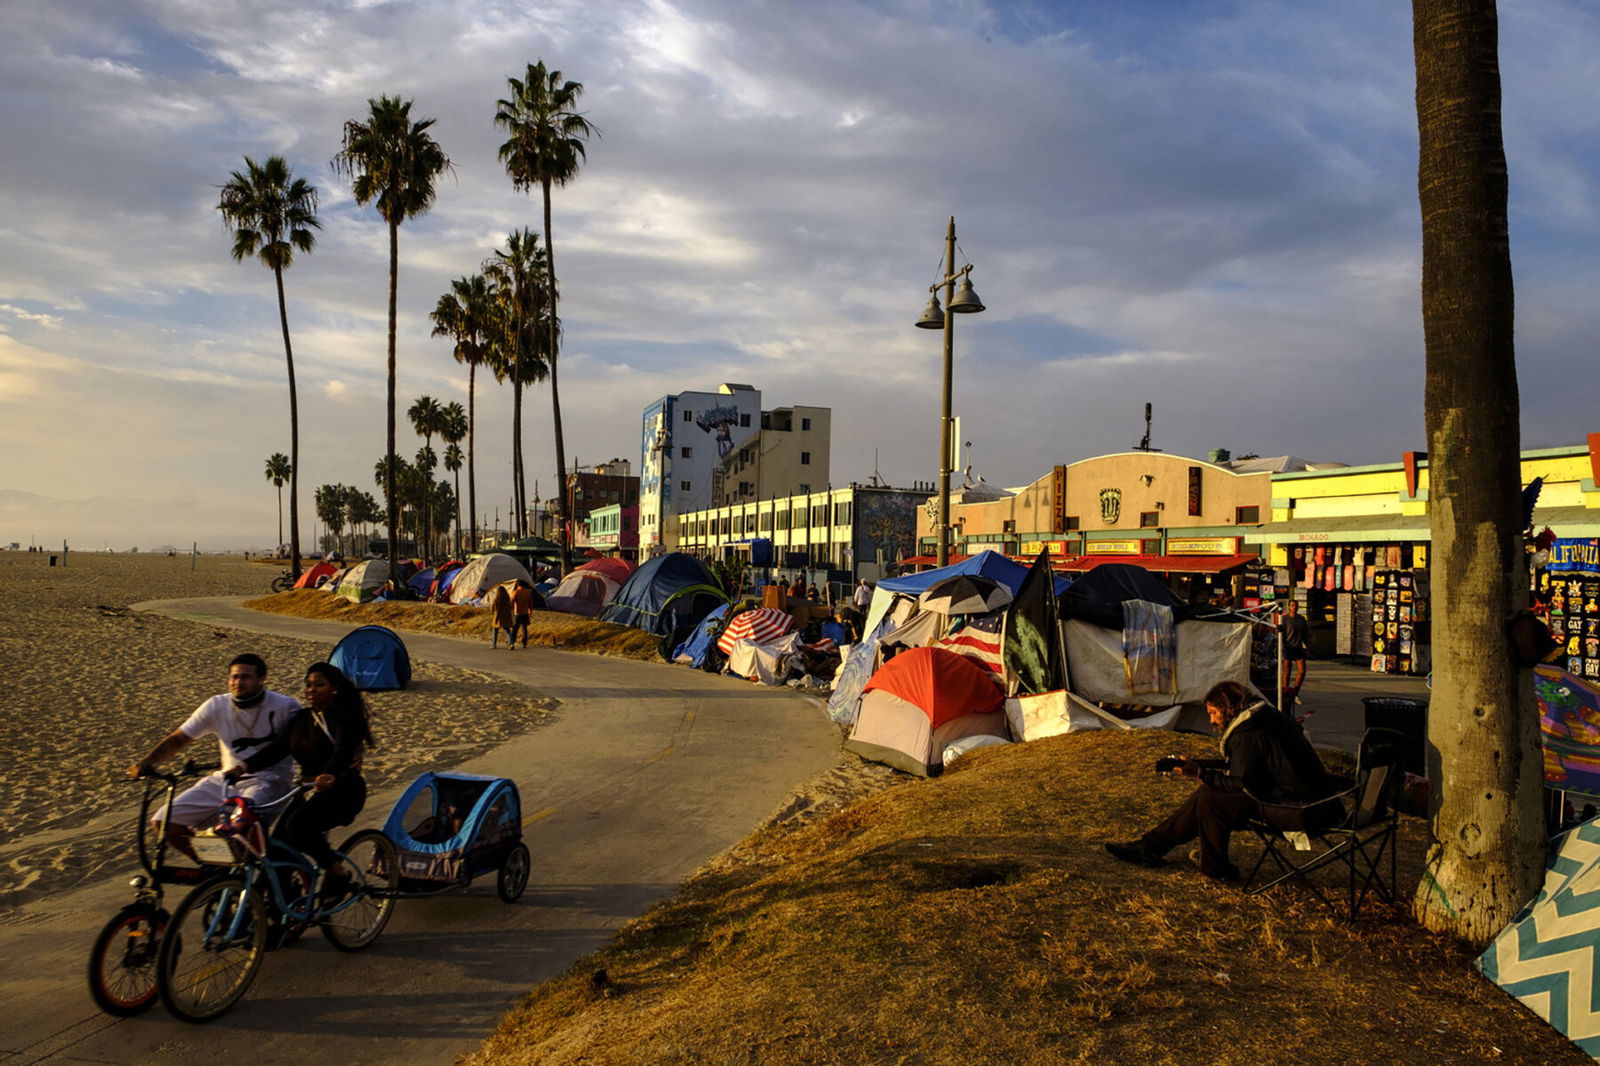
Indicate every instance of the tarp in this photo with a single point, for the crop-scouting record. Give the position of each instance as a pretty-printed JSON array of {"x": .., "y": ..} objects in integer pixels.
[
  {"x": 1549, "y": 956},
  {"x": 693, "y": 651},
  {"x": 1031, "y": 647},
  {"x": 760, "y": 625},
  {"x": 362, "y": 582},
  {"x": 666, "y": 593},
  {"x": 945, "y": 685},
  {"x": 373, "y": 657},
  {"x": 1098, "y": 595},
  {"x": 311, "y": 578},
  {"x": 1208, "y": 652},
  {"x": 484, "y": 573},
  {"x": 989, "y": 564},
  {"x": 421, "y": 582},
  {"x": 1569, "y": 729},
  {"x": 763, "y": 661}
]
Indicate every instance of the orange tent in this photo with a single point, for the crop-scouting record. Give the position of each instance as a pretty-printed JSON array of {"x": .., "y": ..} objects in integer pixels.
[{"x": 945, "y": 685}]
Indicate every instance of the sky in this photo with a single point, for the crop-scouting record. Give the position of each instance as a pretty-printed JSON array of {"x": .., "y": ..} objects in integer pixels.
[{"x": 1208, "y": 206}]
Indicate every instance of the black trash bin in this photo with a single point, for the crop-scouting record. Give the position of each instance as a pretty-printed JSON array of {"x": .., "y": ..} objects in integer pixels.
[{"x": 1409, "y": 718}]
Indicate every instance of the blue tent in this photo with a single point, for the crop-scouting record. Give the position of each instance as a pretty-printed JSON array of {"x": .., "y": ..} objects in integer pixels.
[
  {"x": 421, "y": 581},
  {"x": 989, "y": 564},
  {"x": 665, "y": 594},
  {"x": 373, "y": 657},
  {"x": 692, "y": 651}
]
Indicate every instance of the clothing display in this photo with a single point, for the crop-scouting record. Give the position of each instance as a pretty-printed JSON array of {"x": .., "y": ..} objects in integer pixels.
[{"x": 1401, "y": 641}]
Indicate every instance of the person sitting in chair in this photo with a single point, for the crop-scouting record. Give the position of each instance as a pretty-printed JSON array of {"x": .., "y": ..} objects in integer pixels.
[{"x": 1266, "y": 759}]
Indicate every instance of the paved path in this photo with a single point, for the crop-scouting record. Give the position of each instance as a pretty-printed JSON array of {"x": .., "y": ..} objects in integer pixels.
[{"x": 648, "y": 771}]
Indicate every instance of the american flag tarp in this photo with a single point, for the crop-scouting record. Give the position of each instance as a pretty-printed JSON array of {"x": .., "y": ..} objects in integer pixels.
[
  {"x": 979, "y": 639},
  {"x": 760, "y": 625}
]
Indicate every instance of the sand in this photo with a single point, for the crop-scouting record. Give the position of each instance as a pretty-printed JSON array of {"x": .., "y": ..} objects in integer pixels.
[{"x": 87, "y": 686}]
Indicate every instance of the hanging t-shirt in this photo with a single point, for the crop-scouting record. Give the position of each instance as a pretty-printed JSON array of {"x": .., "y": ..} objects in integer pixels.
[{"x": 240, "y": 733}]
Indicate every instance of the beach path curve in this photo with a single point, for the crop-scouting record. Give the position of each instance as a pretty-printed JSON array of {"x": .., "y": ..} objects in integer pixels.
[{"x": 647, "y": 772}]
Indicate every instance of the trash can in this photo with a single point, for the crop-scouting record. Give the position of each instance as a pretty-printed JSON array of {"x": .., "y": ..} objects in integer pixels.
[
  {"x": 1409, "y": 718},
  {"x": 52, "y": 560}
]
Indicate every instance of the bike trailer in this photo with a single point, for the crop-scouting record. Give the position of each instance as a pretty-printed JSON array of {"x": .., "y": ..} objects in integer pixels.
[{"x": 448, "y": 828}]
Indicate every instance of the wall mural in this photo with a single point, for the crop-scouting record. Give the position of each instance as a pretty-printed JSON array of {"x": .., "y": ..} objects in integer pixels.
[{"x": 888, "y": 522}]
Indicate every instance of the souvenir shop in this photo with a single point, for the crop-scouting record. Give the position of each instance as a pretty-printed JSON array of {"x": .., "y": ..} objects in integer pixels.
[
  {"x": 1568, "y": 587},
  {"x": 1366, "y": 601}
]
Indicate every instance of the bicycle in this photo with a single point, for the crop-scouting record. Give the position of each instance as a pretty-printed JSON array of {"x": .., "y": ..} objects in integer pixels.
[
  {"x": 283, "y": 582},
  {"x": 217, "y": 936},
  {"x": 122, "y": 961}
]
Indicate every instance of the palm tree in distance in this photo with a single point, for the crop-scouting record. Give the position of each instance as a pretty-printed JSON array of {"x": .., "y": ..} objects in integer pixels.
[
  {"x": 393, "y": 162},
  {"x": 278, "y": 472},
  {"x": 453, "y": 427},
  {"x": 545, "y": 147},
  {"x": 519, "y": 352},
  {"x": 464, "y": 314},
  {"x": 271, "y": 214},
  {"x": 424, "y": 414}
]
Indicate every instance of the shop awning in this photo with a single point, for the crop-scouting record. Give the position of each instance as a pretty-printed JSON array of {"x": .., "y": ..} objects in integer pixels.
[
  {"x": 1350, "y": 529},
  {"x": 1163, "y": 564},
  {"x": 932, "y": 560},
  {"x": 1568, "y": 521}
]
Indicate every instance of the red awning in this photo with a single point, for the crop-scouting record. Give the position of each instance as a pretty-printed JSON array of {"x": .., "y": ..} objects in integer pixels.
[{"x": 1162, "y": 564}]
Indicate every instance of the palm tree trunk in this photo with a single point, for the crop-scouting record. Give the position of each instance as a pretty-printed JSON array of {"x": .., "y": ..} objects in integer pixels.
[
  {"x": 294, "y": 439},
  {"x": 280, "y": 510},
  {"x": 1486, "y": 855},
  {"x": 388, "y": 473},
  {"x": 555, "y": 393},
  {"x": 519, "y": 484},
  {"x": 458, "y": 511},
  {"x": 472, "y": 457}
]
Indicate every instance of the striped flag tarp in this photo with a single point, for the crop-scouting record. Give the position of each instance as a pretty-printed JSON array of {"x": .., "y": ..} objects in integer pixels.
[
  {"x": 980, "y": 640},
  {"x": 760, "y": 625},
  {"x": 1549, "y": 956}
]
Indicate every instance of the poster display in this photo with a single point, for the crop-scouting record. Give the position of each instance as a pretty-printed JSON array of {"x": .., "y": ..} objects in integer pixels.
[{"x": 1401, "y": 642}]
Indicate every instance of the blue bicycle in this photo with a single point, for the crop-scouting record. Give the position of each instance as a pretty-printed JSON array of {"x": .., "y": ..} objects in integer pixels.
[{"x": 215, "y": 940}]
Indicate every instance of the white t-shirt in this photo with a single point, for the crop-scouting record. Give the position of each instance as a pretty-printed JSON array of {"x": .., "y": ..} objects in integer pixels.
[{"x": 242, "y": 733}]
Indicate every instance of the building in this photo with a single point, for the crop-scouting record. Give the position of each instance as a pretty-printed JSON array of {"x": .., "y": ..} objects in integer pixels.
[
  {"x": 852, "y": 532},
  {"x": 613, "y": 530},
  {"x": 687, "y": 439},
  {"x": 789, "y": 454},
  {"x": 607, "y": 484}
]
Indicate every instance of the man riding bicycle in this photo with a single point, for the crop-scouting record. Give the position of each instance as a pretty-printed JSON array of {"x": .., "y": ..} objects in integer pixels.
[{"x": 243, "y": 719}]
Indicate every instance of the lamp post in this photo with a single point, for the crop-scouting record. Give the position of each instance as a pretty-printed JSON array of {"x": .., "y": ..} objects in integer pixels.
[{"x": 964, "y": 301}]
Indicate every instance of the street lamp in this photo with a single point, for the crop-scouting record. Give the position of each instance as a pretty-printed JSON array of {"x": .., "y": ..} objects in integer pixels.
[{"x": 966, "y": 302}]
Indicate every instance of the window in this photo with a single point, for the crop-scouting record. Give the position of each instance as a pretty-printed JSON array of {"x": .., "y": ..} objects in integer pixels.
[
  {"x": 688, "y": 415},
  {"x": 1008, "y": 526},
  {"x": 684, "y": 486},
  {"x": 805, "y": 458},
  {"x": 805, "y": 424},
  {"x": 1149, "y": 519},
  {"x": 766, "y": 521},
  {"x": 688, "y": 452},
  {"x": 841, "y": 514},
  {"x": 1247, "y": 516},
  {"x": 819, "y": 516},
  {"x": 738, "y": 525},
  {"x": 744, "y": 488},
  {"x": 1071, "y": 522},
  {"x": 744, "y": 421},
  {"x": 805, "y": 489},
  {"x": 800, "y": 517},
  {"x": 783, "y": 519}
]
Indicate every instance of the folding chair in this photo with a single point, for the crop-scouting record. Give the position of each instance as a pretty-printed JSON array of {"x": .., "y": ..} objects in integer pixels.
[{"x": 1359, "y": 842}]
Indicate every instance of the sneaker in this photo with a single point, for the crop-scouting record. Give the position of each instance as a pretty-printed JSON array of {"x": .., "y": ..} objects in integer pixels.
[{"x": 1136, "y": 853}]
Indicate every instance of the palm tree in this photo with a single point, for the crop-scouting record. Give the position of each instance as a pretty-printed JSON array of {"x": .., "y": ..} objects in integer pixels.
[
  {"x": 1487, "y": 854},
  {"x": 464, "y": 314},
  {"x": 453, "y": 429},
  {"x": 518, "y": 348},
  {"x": 393, "y": 162},
  {"x": 425, "y": 413},
  {"x": 545, "y": 147},
  {"x": 279, "y": 471},
  {"x": 271, "y": 215}
]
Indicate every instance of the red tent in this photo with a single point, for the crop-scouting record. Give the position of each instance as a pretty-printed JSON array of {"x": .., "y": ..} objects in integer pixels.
[
  {"x": 310, "y": 577},
  {"x": 617, "y": 570},
  {"x": 945, "y": 685}
]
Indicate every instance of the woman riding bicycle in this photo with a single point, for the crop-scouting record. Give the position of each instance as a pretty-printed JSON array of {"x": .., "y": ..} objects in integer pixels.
[{"x": 327, "y": 739}]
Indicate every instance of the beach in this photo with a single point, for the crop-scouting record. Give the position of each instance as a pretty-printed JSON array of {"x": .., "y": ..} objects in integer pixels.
[{"x": 87, "y": 686}]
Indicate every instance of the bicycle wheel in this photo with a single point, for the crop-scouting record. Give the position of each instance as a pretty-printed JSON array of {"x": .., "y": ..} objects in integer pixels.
[
  {"x": 212, "y": 949},
  {"x": 282, "y": 584},
  {"x": 122, "y": 963},
  {"x": 357, "y": 920},
  {"x": 514, "y": 874},
  {"x": 283, "y": 930}
]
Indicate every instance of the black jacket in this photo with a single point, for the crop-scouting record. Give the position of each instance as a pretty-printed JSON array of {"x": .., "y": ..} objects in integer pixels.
[
  {"x": 315, "y": 751},
  {"x": 1269, "y": 756}
]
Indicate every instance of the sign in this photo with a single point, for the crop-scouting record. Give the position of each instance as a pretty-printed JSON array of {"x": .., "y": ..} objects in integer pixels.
[
  {"x": 974, "y": 547},
  {"x": 1058, "y": 490},
  {"x": 1203, "y": 546},
  {"x": 1194, "y": 490},
  {"x": 1570, "y": 555},
  {"x": 1110, "y": 506},
  {"x": 1115, "y": 547},
  {"x": 1031, "y": 548}
]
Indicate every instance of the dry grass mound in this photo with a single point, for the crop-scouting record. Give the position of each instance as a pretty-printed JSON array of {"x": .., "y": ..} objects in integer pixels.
[
  {"x": 549, "y": 629},
  {"x": 976, "y": 919}
]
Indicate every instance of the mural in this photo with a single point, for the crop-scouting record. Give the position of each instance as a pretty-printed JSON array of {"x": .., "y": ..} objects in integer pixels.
[
  {"x": 888, "y": 525},
  {"x": 720, "y": 422}
]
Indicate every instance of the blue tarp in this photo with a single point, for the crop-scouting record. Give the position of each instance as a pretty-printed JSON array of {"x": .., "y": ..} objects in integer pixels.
[
  {"x": 692, "y": 651},
  {"x": 989, "y": 564},
  {"x": 664, "y": 594},
  {"x": 373, "y": 657},
  {"x": 420, "y": 582}
]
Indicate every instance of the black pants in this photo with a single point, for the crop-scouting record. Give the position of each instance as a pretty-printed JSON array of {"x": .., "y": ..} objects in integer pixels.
[
  {"x": 1212, "y": 815},
  {"x": 306, "y": 823}
]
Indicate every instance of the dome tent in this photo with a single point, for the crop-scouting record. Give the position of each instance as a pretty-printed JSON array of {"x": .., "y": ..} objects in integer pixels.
[
  {"x": 484, "y": 573},
  {"x": 373, "y": 657},
  {"x": 667, "y": 593}
]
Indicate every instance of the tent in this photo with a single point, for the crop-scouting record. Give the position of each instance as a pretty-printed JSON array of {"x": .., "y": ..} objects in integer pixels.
[
  {"x": 373, "y": 657},
  {"x": 1098, "y": 596},
  {"x": 312, "y": 577},
  {"x": 693, "y": 651},
  {"x": 362, "y": 582},
  {"x": 989, "y": 564},
  {"x": 918, "y": 703},
  {"x": 583, "y": 592},
  {"x": 484, "y": 573},
  {"x": 1549, "y": 956},
  {"x": 420, "y": 582},
  {"x": 618, "y": 570},
  {"x": 667, "y": 593},
  {"x": 759, "y": 625},
  {"x": 443, "y": 576}
]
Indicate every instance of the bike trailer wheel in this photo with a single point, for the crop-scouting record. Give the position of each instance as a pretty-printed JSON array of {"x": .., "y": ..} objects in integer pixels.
[
  {"x": 355, "y": 921},
  {"x": 513, "y": 877},
  {"x": 212, "y": 950},
  {"x": 122, "y": 963}
]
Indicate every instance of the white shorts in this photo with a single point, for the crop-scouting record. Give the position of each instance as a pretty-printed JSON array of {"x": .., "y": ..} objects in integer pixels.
[{"x": 198, "y": 805}]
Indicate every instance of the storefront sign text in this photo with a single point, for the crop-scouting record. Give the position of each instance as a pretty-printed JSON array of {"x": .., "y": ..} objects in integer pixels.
[
  {"x": 1575, "y": 555},
  {"x": 1116, "y": 547},
  {"x": 1203, "y": 546}
]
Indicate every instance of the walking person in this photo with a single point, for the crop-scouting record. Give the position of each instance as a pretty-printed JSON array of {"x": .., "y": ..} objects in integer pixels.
[
  {"x": 521, "y": 611},
  {"x": 1296, "y": 649},
  {"x": 501, "y": 615}
]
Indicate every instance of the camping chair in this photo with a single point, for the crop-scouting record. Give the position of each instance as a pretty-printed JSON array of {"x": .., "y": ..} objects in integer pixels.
[{"x": 1358, "y": 842}]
